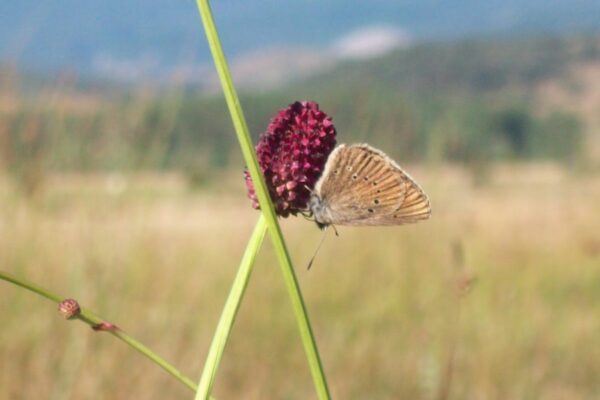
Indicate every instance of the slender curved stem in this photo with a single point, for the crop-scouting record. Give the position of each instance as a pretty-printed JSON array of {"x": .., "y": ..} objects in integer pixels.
[
  {"x": 264, "y": 200},
  {"x": 94, "y": 321},
  {"x": 230, "y": 310}
]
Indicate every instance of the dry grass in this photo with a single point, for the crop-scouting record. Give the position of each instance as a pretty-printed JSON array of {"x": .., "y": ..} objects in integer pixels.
[{"x": 496, "y": 297}]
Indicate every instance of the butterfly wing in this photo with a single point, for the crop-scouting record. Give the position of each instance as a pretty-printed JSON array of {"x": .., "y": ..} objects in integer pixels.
[{"x": 362, "y": 186}]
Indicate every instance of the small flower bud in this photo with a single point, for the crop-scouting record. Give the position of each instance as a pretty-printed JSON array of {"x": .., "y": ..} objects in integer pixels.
[
  {"x": 105, "y": 326},
  {"x": 69, "y": 308}
]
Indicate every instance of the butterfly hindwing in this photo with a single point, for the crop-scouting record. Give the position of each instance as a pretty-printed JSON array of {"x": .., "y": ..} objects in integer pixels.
[{"x": 362, "y": 186}]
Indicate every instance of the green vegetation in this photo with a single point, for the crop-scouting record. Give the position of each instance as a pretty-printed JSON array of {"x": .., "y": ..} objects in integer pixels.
[{"x": 465, "y": 101}]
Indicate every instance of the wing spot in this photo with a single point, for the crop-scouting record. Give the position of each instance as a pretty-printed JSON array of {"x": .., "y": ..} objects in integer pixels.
[
  {"x": 374, "y": 183},
  {"x": 354, "y": 176},
  {"x": 349, "y": 167},
  {"x": 376, "y": 201},
  {"x": 336, "y": 172},
  {"x": 395, "y": 216},
  {"x": 366, "y": 178},
  {"x": 378, "y": 190},
  {"x": 370, "y": 210}
]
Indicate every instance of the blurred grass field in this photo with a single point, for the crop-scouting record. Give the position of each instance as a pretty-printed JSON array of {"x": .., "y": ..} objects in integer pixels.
[{"x": 495, "y": 297}]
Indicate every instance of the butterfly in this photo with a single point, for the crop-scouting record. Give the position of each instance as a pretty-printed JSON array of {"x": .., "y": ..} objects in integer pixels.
[{"x": 361, "y": 185}]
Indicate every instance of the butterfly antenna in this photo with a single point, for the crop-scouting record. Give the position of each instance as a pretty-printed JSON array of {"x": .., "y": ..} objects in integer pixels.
[
  {"x": 335, "y": 230},
  {"x": 310, "y": 263}
]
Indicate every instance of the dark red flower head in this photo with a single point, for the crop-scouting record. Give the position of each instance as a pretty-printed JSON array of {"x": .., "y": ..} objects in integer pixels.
[{"x": 292, "y": 154}]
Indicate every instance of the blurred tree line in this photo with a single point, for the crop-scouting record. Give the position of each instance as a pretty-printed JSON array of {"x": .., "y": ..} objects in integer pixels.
[{"x": 465, "y": 102}]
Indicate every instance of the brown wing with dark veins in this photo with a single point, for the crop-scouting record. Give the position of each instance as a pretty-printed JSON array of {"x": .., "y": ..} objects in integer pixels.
[{"x": 362, "y": 186}]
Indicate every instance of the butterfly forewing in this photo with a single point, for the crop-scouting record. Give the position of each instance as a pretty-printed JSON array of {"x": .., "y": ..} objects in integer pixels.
[{"x": 363, "y": 186}]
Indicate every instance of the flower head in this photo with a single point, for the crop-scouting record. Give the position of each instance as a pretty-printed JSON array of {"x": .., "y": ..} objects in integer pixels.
[{"x": 292, "y": 153}]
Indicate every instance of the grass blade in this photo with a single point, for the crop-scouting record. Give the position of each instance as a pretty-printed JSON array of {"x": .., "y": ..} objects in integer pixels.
[
  {"x": 230, "y": 310},
  {"x": 266, "y": 205}
]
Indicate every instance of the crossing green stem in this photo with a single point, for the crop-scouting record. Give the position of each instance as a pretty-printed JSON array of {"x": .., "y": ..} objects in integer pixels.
[
  {"x": 264, "y": 200},
  {"x": 93, "y": 320},
  {"x": 230, "y": 310}
]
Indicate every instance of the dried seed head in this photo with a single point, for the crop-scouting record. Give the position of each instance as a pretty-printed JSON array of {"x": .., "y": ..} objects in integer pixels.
[{"x": 292, "y": 153}]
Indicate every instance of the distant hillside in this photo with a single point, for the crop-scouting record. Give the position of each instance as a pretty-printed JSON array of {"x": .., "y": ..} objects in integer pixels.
[
  {"x": 453, "y": 91},
  {"x": 465, "y": 66},
  {"x": 468, "y": 101}
]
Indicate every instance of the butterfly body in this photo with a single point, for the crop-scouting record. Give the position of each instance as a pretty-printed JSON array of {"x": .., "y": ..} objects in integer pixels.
[{"x": 360, "y": 185}]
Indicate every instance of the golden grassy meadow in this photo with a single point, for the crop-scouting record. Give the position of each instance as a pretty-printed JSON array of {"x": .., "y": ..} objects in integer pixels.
[{"x": 496, "y": 297}]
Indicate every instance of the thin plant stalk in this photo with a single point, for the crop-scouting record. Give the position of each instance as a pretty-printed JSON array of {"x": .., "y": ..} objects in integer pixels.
[
  {"x": 264, "y": 200},
  {"x": 229, "y": 313},
  {"x": 94, "y": 321}
]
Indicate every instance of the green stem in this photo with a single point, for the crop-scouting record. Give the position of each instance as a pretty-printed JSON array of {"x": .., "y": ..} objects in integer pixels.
[
  {"x": 93, "y": 320},
  {"x": 230, "y": 310},
  {"x": 264, "y": 200}
]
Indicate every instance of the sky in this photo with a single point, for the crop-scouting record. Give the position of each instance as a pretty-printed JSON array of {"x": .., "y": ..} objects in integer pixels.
[{"x": 139, "y": 37}]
